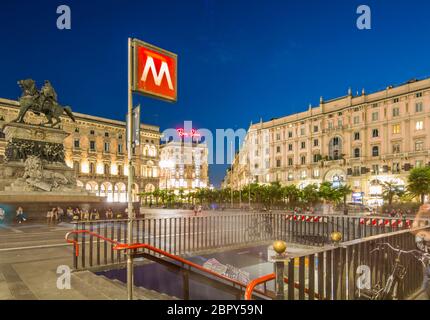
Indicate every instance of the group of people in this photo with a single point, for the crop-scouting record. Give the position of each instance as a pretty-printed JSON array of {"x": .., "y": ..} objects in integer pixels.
[
  {"x": 397, "y": 213},
  {"x": 57, "y": 214}
]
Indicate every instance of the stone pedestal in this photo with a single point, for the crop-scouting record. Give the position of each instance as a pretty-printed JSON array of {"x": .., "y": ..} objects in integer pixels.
[{"x": 34, "y": 163}]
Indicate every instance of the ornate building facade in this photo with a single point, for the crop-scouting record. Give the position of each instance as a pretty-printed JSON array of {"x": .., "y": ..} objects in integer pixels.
[
  {"x": 362, "y": 140},
  {"x": 96, "y": 150},
  {"x": 183, "y": 166}
]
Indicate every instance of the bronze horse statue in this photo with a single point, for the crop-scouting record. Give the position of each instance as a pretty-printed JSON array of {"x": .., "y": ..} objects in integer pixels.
[{"x": 41, "y": 102}]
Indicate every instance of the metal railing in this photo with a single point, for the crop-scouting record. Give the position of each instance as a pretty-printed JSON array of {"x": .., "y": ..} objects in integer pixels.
[
  {"x": 187, "y": 235},
  {"x": 332, "y": 273}
]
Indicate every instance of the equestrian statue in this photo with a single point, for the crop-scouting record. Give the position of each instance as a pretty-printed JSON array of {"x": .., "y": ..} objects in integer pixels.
[{"x": 41, "y": 102}]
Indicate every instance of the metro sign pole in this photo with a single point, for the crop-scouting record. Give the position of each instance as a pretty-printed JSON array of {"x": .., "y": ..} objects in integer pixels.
[
  {"x": 130, "y": 275},
  {"x": 152, "y": 71}
]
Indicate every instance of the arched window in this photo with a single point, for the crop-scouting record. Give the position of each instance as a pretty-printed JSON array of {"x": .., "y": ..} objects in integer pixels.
[
  {"x": 375, "y": 151},
  {"x": 357, "y": 152}
]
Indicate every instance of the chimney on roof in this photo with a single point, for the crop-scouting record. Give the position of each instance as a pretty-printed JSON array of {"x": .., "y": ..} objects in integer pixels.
[
  {"x": 349, "y": 91},
  {"x": 363, "y": 92},
  {"x": 321, "y": 100}
]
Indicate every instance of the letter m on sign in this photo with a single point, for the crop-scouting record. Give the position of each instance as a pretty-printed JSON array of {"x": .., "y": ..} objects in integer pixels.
[{"x": 154, "y": 71}]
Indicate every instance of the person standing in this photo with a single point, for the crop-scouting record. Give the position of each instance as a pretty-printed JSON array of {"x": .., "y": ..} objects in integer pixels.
[
  {"x": 69, "y": 213},
  {"x": 20, "y": 217},
  {"x": 109, "y": 214}
]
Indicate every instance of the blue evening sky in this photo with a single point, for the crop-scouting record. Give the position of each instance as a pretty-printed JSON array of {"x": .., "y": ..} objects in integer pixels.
[{"x": 239, "y": 59}]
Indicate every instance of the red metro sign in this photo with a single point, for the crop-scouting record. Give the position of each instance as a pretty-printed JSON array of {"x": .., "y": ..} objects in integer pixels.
[{"x": 154, "y": 71}]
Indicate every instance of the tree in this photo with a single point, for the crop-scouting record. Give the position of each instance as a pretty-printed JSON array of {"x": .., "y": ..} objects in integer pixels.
[
  {"x": 391, "y": 190},
  {"x": 291, "y": 193},
  {"x": 419, "y": 183},
  {"x": 343, "y": 191},
  {"x": 310, "y": 194}
]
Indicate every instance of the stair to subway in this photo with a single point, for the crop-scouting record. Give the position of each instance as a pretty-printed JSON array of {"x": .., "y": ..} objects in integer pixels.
[{"x": 96, "y": 287}]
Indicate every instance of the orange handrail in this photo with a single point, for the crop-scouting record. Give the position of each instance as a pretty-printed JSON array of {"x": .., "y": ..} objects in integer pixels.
[
  {"x": 268, "y": 277},
  {"x": 76, "y": 244},
  {"x": 124, "y": 246}
]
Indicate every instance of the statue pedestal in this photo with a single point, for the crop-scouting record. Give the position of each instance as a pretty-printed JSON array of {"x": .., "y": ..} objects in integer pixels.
[{"x": 34, "y": 168}]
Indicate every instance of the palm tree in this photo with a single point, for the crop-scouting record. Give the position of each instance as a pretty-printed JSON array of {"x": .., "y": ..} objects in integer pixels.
[
  {"x": 391, "y": 190},
  {"x": 310, "y": 194},
  {"x": 291, "y": 193},
  {"x": 419, "y": 183},
  {"x": 343, "y": 191}
]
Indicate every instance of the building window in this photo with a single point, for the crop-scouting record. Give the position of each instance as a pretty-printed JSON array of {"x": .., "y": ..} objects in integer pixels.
[
  {"x": 396, "y": 100},
  {"x": 76, "y": 144},
  {"x": 375, "y": 151},
  {"x": 278, "y": 149},
  {"x": 396, "y": 167},
  {"x": 375, "y": 116},
  {"x": 375, "y": 169},
  {"x": 356, "y": 171},
  {"x": 268, "y": 151},
  {"x": 396, "y": 148},
  {"x": 375, "y": 133},
  {"x": 120, "y": 170},
  {"x": 106, "y": 169},
  {"x": 317, "y": 157},
  {"x": 396, "y": 128},
  {"x": 278, "y": 163},
  {"x": 290, "y": 147},
  {"x": 356, "y": 119},
  {"x": 419, "y": 107},
  {"x": 330, "y": 125},
  {"x": 316, "y": 173},
  {"x": 77, "y": 130},
  {"x": 290, "y": 134},
  {"x": 419, "y": 125},
  {"x": 290, "y": 161},
  {"x": 303, "y": 160},
  {"x": 302, "y": 131},
  {"x": 356, "y": 136},
  {"x": 419, "y": 145},
  {"x": 92, "y": 145},
  {"x": 92, "y": 168},
  {"x": 316, "y": 142},
  {"x": 92, "y": 132},
  {"x": 303, "y": 174},
  {"x": 303, "y": 145},
  {"x": 290, "y": 176},
  {"x": 419, "y": 164},
  {"x": 120, "y": 148},
  {"x": 335, "y": 148},
  {"x": 396, "y": 112},
  {"x": 106, "y": 148},
  {"x": 107, "y": 134},
  {"x": 357, "y": 152},
  {"x": 315, "y": 128}
]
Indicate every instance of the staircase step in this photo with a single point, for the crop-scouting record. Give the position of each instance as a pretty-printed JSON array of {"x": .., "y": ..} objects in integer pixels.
[
  {"x": 142, "y": 293},
  {"x": 103, "y": 285}
]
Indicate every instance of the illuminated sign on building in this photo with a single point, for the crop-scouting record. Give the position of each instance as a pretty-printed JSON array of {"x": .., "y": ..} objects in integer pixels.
[
  {"x": 154, "y": 71},
  {"x": 183, "y": 134}
]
